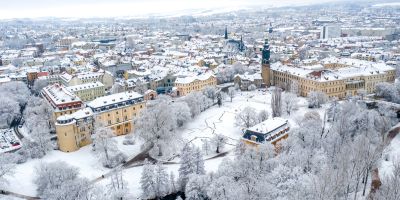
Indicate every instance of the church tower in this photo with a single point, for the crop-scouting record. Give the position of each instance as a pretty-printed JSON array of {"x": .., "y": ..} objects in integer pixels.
[
  {"x": 265, "y": 65},
  {"x": 226, "y": 33}
]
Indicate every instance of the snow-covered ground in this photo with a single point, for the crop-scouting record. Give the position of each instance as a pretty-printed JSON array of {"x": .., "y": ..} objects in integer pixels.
[{"x": 219, "y": 120}]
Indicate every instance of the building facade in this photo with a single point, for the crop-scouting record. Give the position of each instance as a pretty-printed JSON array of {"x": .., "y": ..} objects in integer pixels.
[
  {"x": 335, "y": 79},
  {"x": 115, "y": 111},
  {"x": 186, "y": 85},
  {"x": 88, "y": 91}
]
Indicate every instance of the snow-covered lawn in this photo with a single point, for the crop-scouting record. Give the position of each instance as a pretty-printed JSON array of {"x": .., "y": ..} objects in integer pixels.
[{"x": 84, "y": 159}]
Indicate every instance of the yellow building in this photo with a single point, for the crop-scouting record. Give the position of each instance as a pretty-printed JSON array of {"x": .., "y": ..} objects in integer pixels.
[
  {"x": 88, "y": 91},
  {"x": 104, "y": 77},
  {"x": 115, "y": 111},
  {"x": 188, "y": 84},
  {"x": 335, "y": 77},
  {"x": 75, "y": 130}
]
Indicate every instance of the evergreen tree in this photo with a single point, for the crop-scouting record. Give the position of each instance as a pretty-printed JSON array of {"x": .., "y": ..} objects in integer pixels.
[
  {"x": 161, "y": 181},
  {"x": 147, "y": 181}
]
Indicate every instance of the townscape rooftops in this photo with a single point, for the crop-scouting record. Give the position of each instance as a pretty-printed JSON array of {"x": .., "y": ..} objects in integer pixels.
[{"x": 351, "y": 68}]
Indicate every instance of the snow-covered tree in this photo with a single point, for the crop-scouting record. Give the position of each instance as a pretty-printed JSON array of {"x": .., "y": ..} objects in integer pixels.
[
  {"x": 276, "y": 102},
  {"x": 38, "y": 114},
  {"x": 191, "y": 163},
  {"x": 289, "y": 103},
  {"x": 263, "y": 115},
  {"x": 231, "y": 92},
  {"x": 197, "y": 102},
  {"x": 58, "y": 180},
  {"x": 387, "y": 91},
  {"x": 16, "y": 90},
  {"x": 182, "y": 112},
  {"x": 147, "y": 181},
  {"x": 7, "y": 167},
  {"x": 9, "y": 110},
  {"x": 39, "y": 143},
  {"x": 161, "y": 181},
  {"x": 172, "y": 183},
  {"x": 118, "y": 187},
  {"x": 316, "y": 99},
  {"x": 206, "y": 146},
  {"x": 156, "y": 126},
  {"x": 294, "y": 88},
  {"x": 252, "y": 87},
  {"x": 247, "y": 117},
  {"x": 210, "y": 92},
  {"x": 105, "y": 146},
  {"x": 196, "y": 188},
  {"x": 218, "y": 142},
  {"x": 38, "y": 85}
]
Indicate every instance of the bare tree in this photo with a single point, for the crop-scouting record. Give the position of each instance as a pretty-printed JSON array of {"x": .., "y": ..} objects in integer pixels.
[
  {"x": 276, "y": 102},
  {"x": 247, "y": 117},
  {"x": 231, "y": 92},
  {"x": 289, "y": 103}
]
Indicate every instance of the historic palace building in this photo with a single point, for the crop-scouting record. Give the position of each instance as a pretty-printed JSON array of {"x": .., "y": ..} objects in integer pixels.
[
  {"x": 115, "y": 111},
  {"x": 337, "y": 77}
]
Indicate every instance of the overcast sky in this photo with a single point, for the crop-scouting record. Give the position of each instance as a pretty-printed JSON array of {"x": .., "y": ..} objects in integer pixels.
[{"x": 118, "y": 8}]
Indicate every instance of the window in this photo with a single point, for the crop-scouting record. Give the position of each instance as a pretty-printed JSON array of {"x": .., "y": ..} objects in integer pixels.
[{"x": 109, "y": 122}]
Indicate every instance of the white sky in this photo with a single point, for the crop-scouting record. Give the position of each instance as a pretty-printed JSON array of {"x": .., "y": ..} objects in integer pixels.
[{"x": 118, "y": 8}]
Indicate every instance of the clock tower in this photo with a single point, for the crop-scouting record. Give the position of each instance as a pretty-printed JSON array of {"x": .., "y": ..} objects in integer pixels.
[{"x": 265, "y": 65}]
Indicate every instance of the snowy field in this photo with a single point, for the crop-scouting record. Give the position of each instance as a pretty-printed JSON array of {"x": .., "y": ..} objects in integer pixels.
[{"x": 215, "y": 120}]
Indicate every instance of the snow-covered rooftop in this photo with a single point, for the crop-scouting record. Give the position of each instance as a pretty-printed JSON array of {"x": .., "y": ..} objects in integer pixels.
[
  {"x": 114, "y": 99},
  {"x": 85, "y": 86},
  {"x": 60, "y": 95},
  {"x": 268, "y": 125}
]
